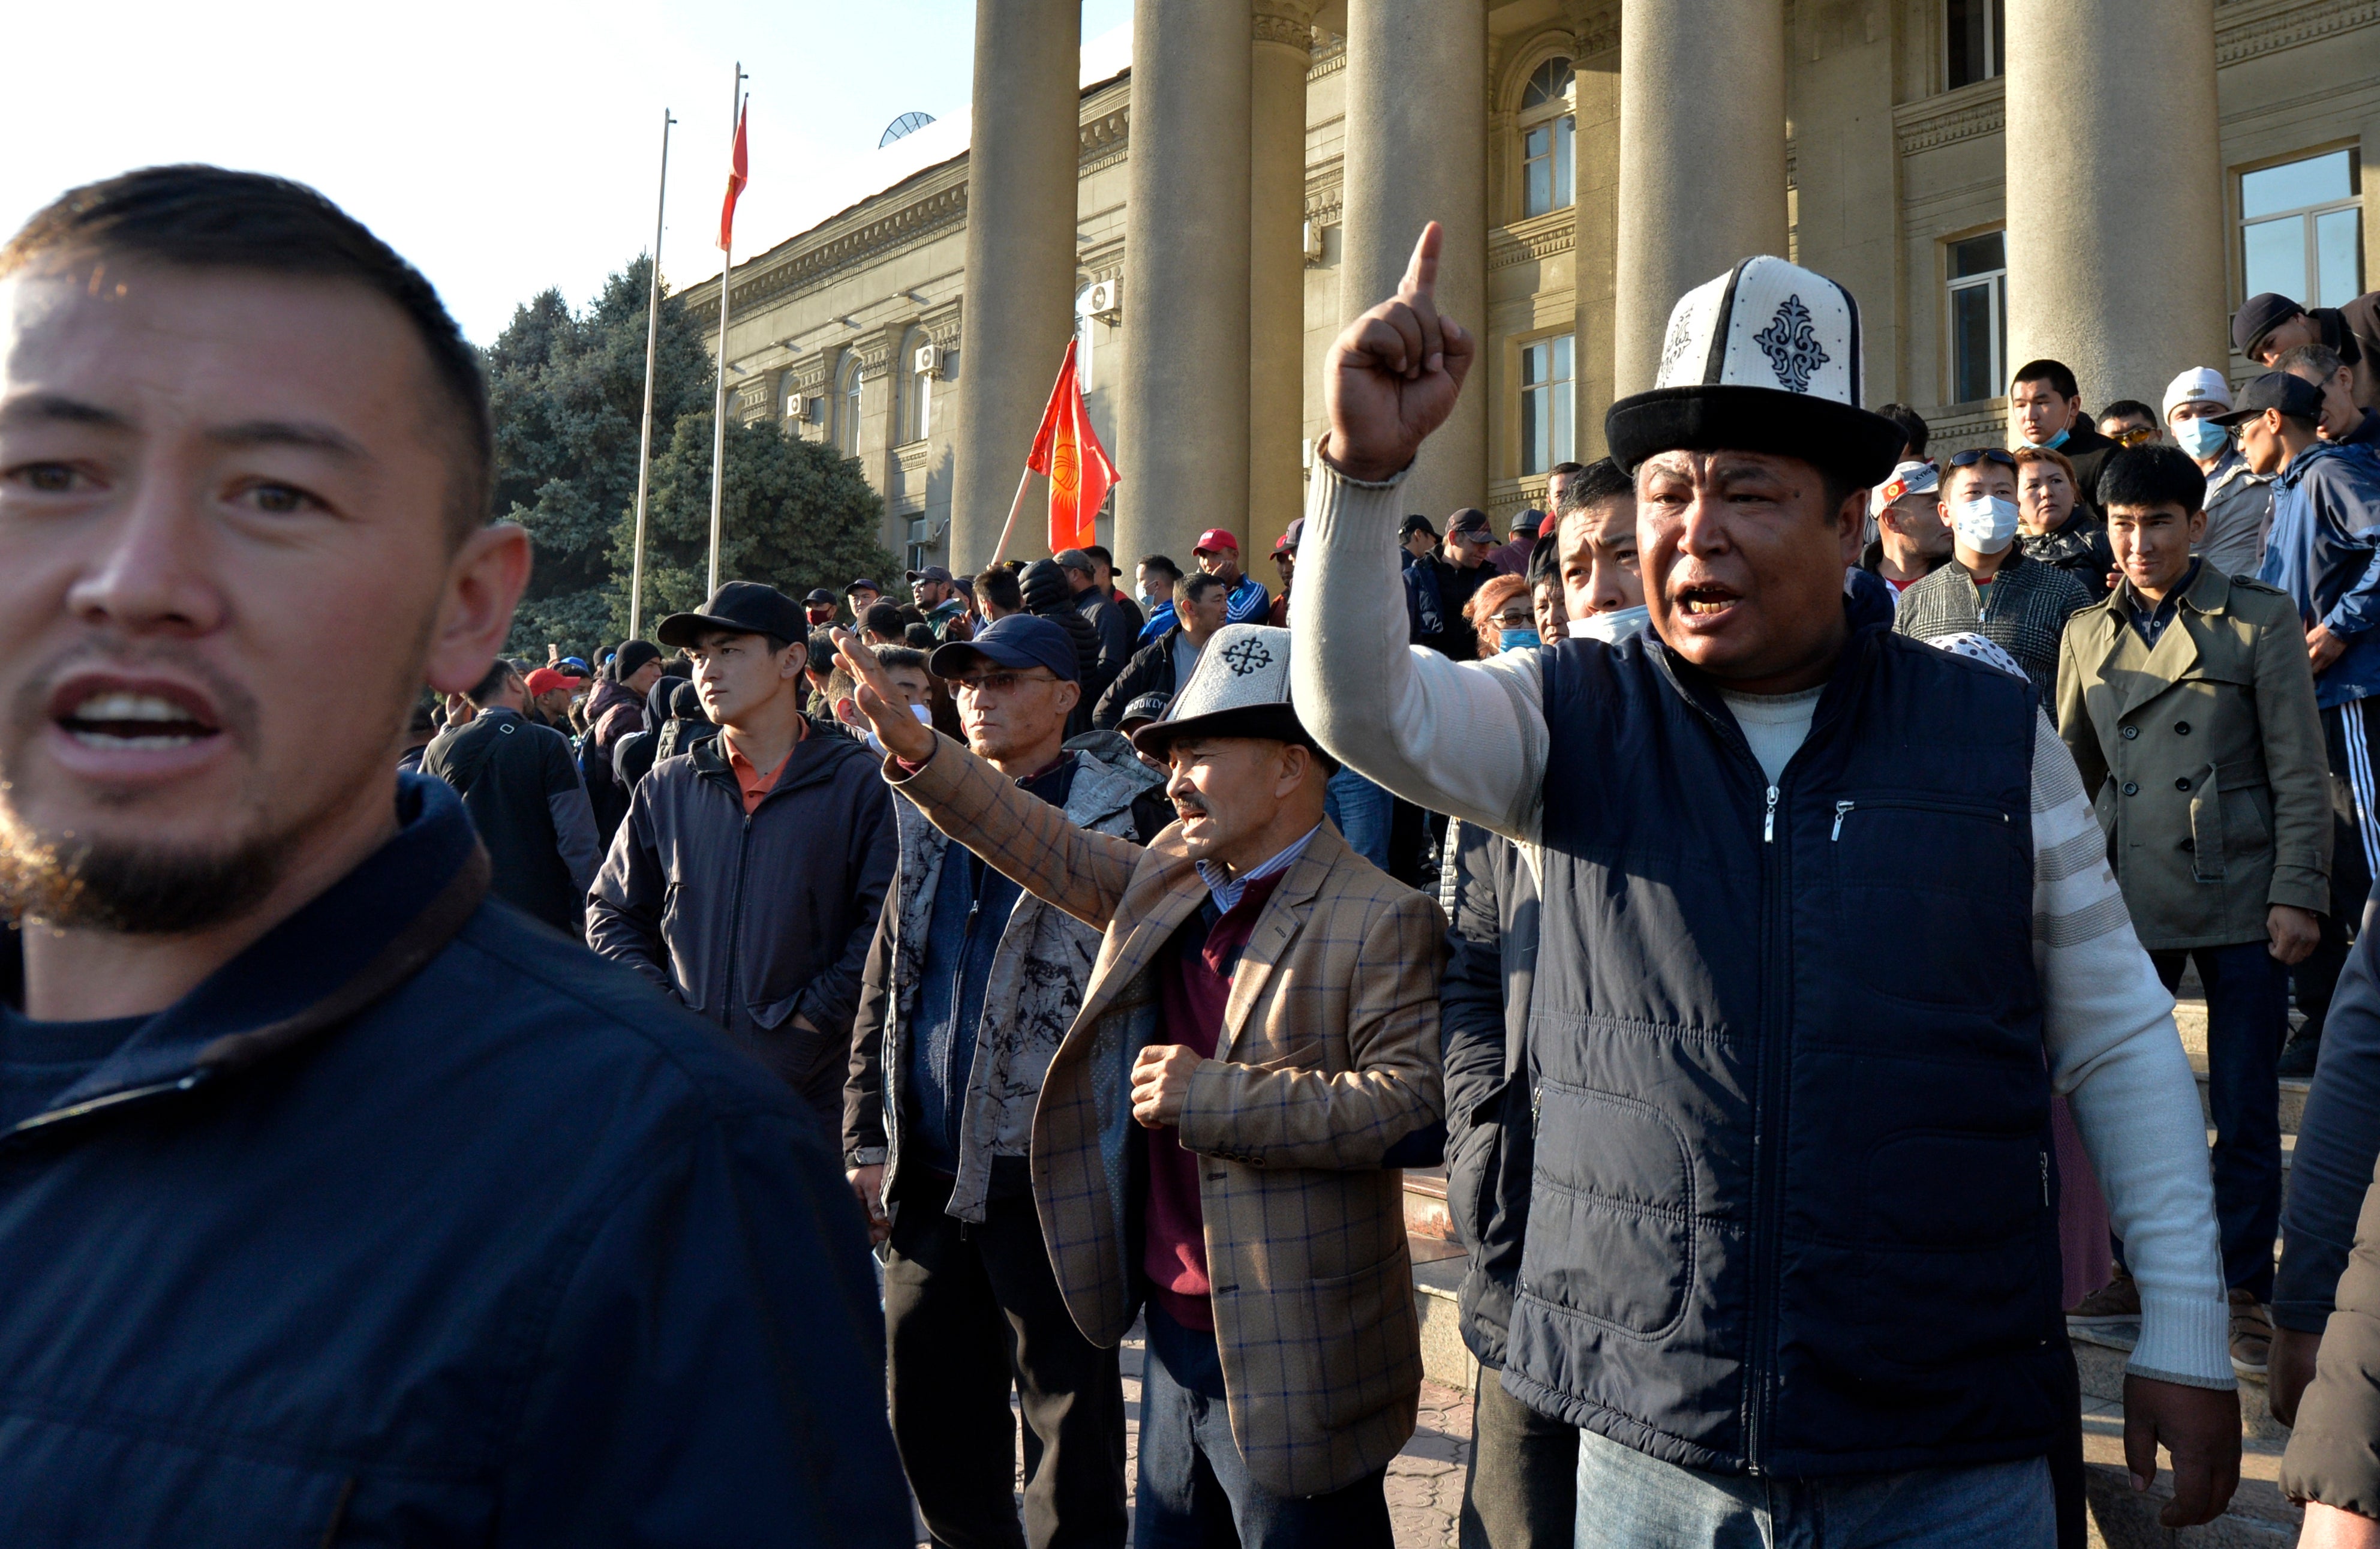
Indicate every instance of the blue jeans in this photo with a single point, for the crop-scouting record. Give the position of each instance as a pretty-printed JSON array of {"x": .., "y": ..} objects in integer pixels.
[
  {"x": 2247, "y": 1019},
  {"x": 1361, "y": 811},
  {"x": 1196, "y": 1492},
  {"x": 1626, "y": 1499}
]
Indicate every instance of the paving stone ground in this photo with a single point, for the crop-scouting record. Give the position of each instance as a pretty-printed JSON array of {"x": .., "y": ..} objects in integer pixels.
[{"x": 1425, "y": 1486}]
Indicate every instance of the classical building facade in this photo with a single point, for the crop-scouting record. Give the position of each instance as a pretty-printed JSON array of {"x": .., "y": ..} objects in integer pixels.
[{"x": 2098, "y": 180}]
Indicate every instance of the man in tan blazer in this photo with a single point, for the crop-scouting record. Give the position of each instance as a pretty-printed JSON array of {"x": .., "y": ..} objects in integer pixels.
[{"x": 1220, "y": 1133}]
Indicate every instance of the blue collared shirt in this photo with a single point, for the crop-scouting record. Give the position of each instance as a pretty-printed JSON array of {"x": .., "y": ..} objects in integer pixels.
[{"x": 1226, "y": 889}]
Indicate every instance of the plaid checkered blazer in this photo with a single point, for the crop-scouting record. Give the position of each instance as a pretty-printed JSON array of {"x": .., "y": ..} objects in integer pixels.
[{"x": 1328, "y": 1056}]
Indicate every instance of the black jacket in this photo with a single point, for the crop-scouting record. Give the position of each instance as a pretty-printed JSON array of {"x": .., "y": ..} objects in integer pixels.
[
  {"x": 1119, "y": 634},
  {"x": 1150, "y": 671},
  {"x": 1491, "y": 897},
  {"x": 1456, "y": 638},
  {"x": 521, "y": 787},
  {"x": 2078, "y": 546},
  {"x": 2088, "y": 451},
  {"x": 414, "y": 1224},
  {"x": 750, "y": 921}
]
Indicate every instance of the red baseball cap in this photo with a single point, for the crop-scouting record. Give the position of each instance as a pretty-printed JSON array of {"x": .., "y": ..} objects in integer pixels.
[
  {"x": 1214, "y": 540},
  {"x": 545, "y": 680}
]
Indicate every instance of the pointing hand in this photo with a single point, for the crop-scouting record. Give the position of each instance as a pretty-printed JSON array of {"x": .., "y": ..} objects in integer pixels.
[{"x": 1393, "y": 377}]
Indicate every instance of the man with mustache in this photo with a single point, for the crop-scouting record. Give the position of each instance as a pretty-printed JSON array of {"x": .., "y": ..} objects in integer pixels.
[
  {"x": 339, "y": 1201},
  {"x": 1791, "y": 1252},
  {"x": 1219, "y": 1134}
]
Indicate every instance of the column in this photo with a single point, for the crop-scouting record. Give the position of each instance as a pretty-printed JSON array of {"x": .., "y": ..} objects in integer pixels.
[
  {"x": 1283, "y": 51},
  {"x": 1020, "y": 258},
  {"x": 1417, "y": 151},
  {"x": 1702, "y": 160},
  {"x": 2116, "y": 230},
  {"x": 1183, "y": 400},
  {"x": 1594, "y": 65}
]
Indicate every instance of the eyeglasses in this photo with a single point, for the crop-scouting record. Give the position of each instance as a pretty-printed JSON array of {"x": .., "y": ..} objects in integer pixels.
[
  {"x": 1970, "y": 458},
  {"x": 995, "y": 682},
  {"x": 2136, "y": 435}
]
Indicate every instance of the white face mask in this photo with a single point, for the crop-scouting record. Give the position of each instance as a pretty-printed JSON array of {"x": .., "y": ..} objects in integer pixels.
[
  {"x": 1984, "y": 523},
  {"x": 1611, "y": 628}
]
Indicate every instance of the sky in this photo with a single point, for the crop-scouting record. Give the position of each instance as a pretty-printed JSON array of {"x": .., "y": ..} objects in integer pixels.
[{"x": 505, "y": 147}]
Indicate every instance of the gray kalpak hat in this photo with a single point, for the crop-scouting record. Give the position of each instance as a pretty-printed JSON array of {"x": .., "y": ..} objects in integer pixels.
[
  {"x": 1240, "y": 687},
  {"x": 1766, "y": 358}
]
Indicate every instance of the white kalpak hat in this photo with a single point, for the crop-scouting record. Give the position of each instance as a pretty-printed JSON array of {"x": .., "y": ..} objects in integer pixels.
[
  {"x": 1766, "y": 358},
  {"x": 2199, "y": 381},
  {"x": 1240, "y": 687}
]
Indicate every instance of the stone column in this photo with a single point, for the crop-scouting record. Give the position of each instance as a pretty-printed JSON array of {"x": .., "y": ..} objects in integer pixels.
[
  {"x": 1020, "y": 258},
  {"x": 1702, "y": 160},
  {"x": 1595, "y": 90},
  {"x": 1282, "y": 51},
  {"x": 2115, "y": 230},
  {"x": 1183, "y": 395},
  {"x": 1417, "y": 152}
]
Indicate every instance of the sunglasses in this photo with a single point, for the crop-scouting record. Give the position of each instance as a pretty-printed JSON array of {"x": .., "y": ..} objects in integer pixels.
[
  {"x": 1984, "y": 454},
  {"x": 2138, "y": 435}
]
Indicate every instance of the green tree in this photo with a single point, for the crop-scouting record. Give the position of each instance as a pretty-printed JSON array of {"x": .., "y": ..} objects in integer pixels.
[
  {"x": 568, "y": 393},
  {"x": 796, "y": 514}
]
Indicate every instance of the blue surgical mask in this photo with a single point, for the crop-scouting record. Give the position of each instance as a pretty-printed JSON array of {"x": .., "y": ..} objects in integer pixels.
[
  {"x": 2054, "y": 442},
  {"x": 1611, "y": 628},
  {"x": 1984, "y": 523},
  {"x": 1518, "y": 640},
  {"x": 2200, "y": 438}
]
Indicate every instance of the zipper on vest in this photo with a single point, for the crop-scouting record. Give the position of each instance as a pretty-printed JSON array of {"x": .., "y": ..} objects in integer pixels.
[
  {"x": 1842, "y": 811},
  {"x": 2044, "y": 1180},
  {"x": 1768, "y": 818}
]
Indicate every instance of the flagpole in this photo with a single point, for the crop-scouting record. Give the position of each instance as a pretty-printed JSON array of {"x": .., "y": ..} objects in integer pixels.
[
  {"x": 652, "y": 339},
  {"x": 718, "y": 406},
  {"x": 1014, "y": 507}
]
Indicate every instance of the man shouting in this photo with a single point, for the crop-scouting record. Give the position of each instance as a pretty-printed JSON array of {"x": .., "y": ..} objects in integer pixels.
[
  {"x": 1791, "y": 1252},
  {"x": 1216, "y": 1136}
]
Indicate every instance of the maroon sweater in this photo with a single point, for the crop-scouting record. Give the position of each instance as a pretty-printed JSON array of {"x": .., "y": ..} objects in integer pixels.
[{"x": 1194, "y": 984}]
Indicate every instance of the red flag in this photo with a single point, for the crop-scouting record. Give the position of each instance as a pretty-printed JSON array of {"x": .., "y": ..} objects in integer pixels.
[
  {"x": 1068, "y": 450},
  {"x": 738, "y": 174}
]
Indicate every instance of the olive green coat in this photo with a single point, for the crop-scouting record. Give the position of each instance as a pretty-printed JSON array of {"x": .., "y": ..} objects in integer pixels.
[{"x": 2204, "y": 756}]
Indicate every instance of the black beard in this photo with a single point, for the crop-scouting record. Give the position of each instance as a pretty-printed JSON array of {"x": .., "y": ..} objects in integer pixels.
[{"x": 134, "y": 891}]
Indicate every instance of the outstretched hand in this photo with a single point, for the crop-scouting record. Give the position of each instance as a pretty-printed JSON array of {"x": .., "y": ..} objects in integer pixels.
[
  {"x": 1393, "y": 375},
  {"x": 903, "y": 735}
]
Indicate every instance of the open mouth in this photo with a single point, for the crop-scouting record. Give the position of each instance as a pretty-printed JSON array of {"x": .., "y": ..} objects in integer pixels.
[
  {"x": 1704, "y": 602},
  {"x": 134, "y": 720}
]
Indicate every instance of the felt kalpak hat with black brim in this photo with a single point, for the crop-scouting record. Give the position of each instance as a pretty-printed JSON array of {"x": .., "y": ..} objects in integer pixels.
[
  {"x": 1240, "y": 687},
  {"x": 1766, "y": 358}
]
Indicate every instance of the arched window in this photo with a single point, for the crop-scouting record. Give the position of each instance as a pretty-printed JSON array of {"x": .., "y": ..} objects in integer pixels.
[
  {"x": 789, "y": 397},
  {"x": 1547, "y": 127},
  {"x": 916, "y": 389},
  {"x": 846, "y": 416}
]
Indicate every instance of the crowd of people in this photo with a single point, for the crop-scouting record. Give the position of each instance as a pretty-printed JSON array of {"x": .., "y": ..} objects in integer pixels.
[{"x": 1761, "y": 879}]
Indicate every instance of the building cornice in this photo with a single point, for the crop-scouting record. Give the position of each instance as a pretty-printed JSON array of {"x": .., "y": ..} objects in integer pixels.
[
  {"x": 1932, "y": 122},
  {"x": 1328, "y": 61},
  {"x": 2248, "y": 28},
  {"x": 1538, "y": 238}
]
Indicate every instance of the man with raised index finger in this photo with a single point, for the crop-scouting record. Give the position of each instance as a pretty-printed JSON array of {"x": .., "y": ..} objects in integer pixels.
[{"x": 1791, "y": 1252}]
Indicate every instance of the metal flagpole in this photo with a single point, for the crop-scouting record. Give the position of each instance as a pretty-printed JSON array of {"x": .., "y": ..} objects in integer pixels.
[
  {"x": 718, "y": 408},
  {"x": 645, "y": 449}
]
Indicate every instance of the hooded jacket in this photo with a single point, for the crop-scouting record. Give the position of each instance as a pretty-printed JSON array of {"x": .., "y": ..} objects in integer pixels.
[
  {"x": 2325, "y": 552},
  {"x": 752, "y": 921},
  {"x": 412, "y": 1225}
]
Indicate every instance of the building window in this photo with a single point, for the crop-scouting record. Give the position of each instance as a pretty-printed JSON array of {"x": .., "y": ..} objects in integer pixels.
[
  {"x": 846, "y": 417},
  {"x": 1975, "y": 35},
  {"x": 916, "y": 392},
  {"x": 1549, "y": 127},
  {"x": 1978, "y": 308},
  {"x": 1545, "y": 413},
  {"x": 2302, "y": 230},
  {"x": 789, "y": 397}
]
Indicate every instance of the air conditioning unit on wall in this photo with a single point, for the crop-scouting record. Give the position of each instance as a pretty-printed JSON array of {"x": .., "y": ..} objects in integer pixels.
[
  {"x": 811, "y": 410},
  {"x": 928, "y": 360},
  {"x": 1106, "y": 300}
]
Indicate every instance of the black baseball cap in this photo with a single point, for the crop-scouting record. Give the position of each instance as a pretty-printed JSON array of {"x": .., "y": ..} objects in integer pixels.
[
  {"x": 931, "y": 573},
  {"x": 1530, "y": 522},
  {"x": 1018, "y": 640},
  {"x": 863, "y": 585},
  {"x": 818, "y": 595},
  {"x": 2293, "y": 396},
  {"x": 1471, "y": 519},
  {"x": 746, "y": 607},
  {"x": 1413, "y": 524},
  {"x": 2258, "y": 316}
]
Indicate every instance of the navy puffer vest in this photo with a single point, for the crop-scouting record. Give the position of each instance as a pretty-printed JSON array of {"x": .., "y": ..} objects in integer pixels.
[{"x": 1792, "y": 1210}]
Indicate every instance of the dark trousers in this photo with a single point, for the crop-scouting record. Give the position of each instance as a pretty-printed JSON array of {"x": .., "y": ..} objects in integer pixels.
[
  {"x": 971, "y": 1309},
  {"x": 1195, "y": 1490},
  {"x": 1522, "y": 1492},
  {"x": 2247, "y": 1017},
  {"x": 2348, "y": 733}
]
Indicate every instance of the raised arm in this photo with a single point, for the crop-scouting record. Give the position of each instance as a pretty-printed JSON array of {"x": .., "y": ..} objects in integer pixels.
[{"x": 1466, "y": 738}]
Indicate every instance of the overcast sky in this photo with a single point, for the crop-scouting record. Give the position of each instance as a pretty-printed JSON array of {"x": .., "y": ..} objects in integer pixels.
[{"x": 505, "y": 146}]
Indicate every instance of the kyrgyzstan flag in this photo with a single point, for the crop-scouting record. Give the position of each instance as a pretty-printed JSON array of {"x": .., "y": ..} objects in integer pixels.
[
  {"x": 1068, "y": 450},
  {"x": 738, "y": 174}
]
